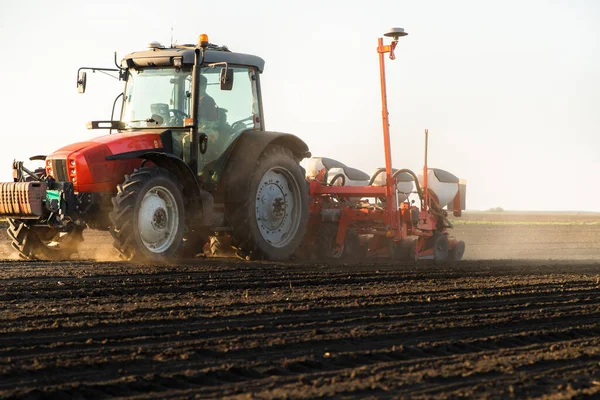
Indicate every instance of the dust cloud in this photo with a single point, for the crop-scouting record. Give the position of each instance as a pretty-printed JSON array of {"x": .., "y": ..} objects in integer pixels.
[
  {"x": 7, "y": 252},
  {"x": 488, "y": 236},
  {"x": 529, "y": 236},
  {"x": 98, "y": 246}
]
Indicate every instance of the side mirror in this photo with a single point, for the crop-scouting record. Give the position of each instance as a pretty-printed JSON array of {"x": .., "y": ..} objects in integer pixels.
[
  {"x": 226, "y": 78},
  {"x": 81, "y": 81}
]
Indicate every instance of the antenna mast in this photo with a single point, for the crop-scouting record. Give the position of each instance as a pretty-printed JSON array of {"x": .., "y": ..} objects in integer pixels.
[{"x": 171, "y": 33}]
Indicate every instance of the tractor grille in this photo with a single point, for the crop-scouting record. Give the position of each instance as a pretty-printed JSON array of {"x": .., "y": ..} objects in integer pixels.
[{"x": 60, "y": 170}]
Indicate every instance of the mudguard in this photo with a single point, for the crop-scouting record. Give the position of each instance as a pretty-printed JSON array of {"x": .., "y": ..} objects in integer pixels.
[
  {"x": 201, "y": 201},
  {"x": 244, "y": 155},
  {"x": 177, "y": 166}
]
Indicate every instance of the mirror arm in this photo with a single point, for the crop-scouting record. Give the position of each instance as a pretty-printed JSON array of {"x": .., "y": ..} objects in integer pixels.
[
  {"x": 103, "y": 70},
  {"x": 122, "y": 71},
  {"x": 94, "y": 69},
  {"x": 218, "y": 63},
  {"x": 112, "y": 114},
  {"x": 213, "y": 65},
  {"x": 225, "y": 80},
  {"x": 118, "y": 66}
]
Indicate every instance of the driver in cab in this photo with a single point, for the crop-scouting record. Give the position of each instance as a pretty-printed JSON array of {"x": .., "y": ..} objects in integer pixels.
[
  {"x": 207, "y": 113},
  {"x": 207, "y": 106},
  {"x": 207, "y": 121},
  {"x": 207, "y": 110}
]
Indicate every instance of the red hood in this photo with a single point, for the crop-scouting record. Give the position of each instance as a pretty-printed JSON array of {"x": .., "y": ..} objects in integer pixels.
[
  {"x": 87, "y": 167},
  {"x": 116, "y": 143}
]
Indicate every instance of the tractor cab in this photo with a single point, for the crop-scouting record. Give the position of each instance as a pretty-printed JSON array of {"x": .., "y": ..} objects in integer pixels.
[{"x": 159, "y": 97}]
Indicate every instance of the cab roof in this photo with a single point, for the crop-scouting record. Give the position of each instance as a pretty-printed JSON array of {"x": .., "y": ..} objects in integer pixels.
[{"x": 214, "y": 54}]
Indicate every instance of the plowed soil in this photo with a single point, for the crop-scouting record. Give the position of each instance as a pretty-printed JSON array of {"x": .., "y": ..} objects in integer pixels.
[{"x": 527, "y": 325}]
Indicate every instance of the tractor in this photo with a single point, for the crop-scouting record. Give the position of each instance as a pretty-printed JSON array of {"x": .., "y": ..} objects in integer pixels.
[
  {"x": 190, "y": 159},
  {"x": 167, "y": 176}
]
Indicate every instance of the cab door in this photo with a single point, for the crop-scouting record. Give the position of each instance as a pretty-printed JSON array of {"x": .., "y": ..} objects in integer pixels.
[{"x": 236, "y": 111}]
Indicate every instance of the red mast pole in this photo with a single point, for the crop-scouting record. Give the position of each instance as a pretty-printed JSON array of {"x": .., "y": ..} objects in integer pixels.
[
  {"x": 425, "y": 171},
  {"x": 390, "y": 194}
]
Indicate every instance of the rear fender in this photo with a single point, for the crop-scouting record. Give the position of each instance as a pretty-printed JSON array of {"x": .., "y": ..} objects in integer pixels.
[{"x": 244, "y": 155}]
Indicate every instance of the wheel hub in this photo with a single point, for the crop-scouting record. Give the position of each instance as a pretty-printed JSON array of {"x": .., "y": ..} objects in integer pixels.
[
  {"x": 275, "y": 208},
  {"x": 157, "y": 219}
]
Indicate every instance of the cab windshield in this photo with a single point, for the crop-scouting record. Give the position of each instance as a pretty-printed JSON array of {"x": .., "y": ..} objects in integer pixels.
[{"x": 157, "y": 98}]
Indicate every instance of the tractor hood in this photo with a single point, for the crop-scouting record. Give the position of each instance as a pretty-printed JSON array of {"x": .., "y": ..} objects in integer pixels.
[
  {"x": 116, "y": 143},
  {"x": 85, "y": 164}
]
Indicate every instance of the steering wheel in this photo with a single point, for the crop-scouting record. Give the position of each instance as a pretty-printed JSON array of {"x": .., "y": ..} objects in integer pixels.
[
  {"x": 241, "y": 124},
  {"x": 178, "y": 117},
  {"x": 178, "y": 113}
]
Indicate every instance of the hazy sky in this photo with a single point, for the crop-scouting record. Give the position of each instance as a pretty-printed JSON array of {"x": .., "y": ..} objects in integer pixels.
[{"x": 509, "y": 90}]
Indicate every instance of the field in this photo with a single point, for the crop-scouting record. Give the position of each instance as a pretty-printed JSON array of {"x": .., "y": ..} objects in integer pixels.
[{"x": 517, "y": 318}]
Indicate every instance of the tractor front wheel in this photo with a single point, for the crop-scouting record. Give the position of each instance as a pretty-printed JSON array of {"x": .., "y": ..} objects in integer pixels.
[
  {"x": 43, "y": 243},
  {"x": 148, "y": 220}
]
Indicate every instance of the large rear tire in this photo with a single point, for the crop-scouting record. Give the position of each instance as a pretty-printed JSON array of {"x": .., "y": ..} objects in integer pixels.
[
  {"x": 43, "y": 243},
  {"x": 272, "y": 222},
  {"x": 148, "y": 219}
]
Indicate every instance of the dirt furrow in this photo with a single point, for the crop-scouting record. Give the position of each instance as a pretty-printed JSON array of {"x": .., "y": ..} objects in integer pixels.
[{"x": 226, "y": 328}]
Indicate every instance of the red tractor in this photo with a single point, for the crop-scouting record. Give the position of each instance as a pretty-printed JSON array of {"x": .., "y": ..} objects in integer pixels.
[{"x": 191, "y": 159}]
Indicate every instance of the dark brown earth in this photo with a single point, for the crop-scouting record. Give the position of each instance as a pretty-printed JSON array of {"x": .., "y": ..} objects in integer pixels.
[{"x": 226, "y": 328}]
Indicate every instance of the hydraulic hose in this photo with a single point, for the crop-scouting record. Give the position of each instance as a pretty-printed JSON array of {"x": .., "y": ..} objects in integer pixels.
[
  {"x": 375, "y": 175},
  {"x": 437, "y": 210},
  {"x": 335, "y": 178},
  {"x": 408, "y": 171},
  {"x": 395, "y": 174}
]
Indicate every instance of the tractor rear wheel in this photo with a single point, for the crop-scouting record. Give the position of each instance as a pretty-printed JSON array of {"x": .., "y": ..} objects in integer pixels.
[
  {"x": 43, "y": 243},
  {"x": 272, "y": 222},
  {"x": 148, "y": 217}
]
